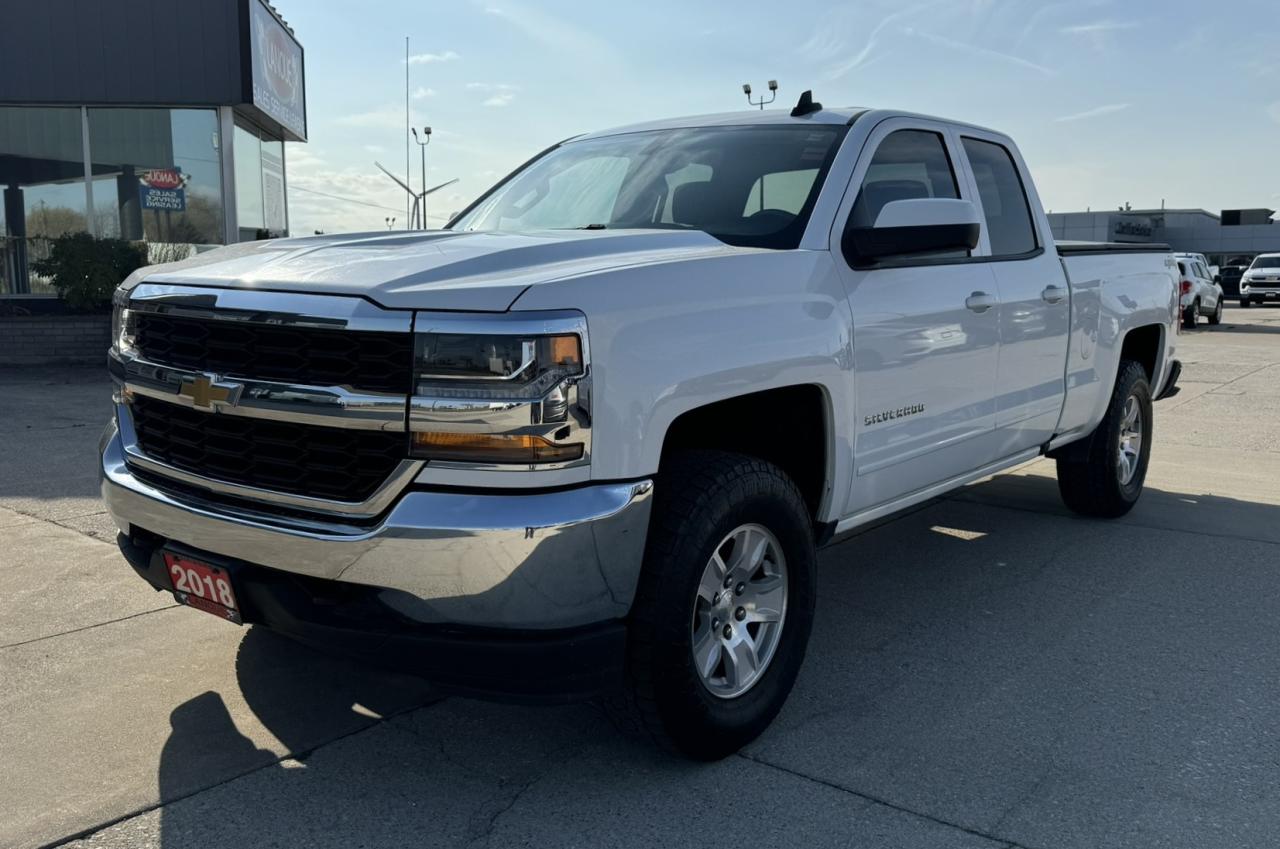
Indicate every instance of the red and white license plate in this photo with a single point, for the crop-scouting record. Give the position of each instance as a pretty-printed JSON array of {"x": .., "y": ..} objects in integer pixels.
[{"x": 203, "y": 586}]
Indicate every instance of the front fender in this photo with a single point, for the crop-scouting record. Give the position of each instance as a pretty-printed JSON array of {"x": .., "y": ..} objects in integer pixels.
[{"x": 671, "y": 337}]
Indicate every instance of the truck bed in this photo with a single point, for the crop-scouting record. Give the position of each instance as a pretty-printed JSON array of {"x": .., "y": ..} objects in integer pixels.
[{"x": 1085, "y": 248}]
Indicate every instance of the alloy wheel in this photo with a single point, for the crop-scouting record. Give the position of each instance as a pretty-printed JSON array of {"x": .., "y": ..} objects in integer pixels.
[
  {"x": 739, "y": 611},
  {"x": 1130, "y": 441}
]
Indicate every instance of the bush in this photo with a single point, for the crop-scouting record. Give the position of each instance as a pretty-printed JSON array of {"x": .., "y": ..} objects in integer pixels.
[{"x": 85, "y": 270}]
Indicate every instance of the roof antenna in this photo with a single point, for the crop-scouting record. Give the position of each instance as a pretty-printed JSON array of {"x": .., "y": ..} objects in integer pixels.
[{"x": 805, "y": 105}]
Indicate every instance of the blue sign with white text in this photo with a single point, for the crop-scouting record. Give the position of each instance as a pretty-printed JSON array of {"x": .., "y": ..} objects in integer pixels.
[{"x": 171, "y": 200}]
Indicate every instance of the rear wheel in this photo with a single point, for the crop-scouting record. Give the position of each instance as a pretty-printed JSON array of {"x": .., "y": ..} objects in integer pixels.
[
  {"x": 1103, "y": 475},
  {"x": 1216, "y": 316},
  {"x": 724, "y": 607},
  {"x": 1191, "y": 315}
]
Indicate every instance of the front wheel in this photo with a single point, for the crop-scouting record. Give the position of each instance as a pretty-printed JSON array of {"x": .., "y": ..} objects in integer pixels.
[
  {"x": 1244, "y": 303},
  {"x": 1103, "y": 475},
  {"x": 724, "y": 607},
  {"x": 1215, "y": 318}
]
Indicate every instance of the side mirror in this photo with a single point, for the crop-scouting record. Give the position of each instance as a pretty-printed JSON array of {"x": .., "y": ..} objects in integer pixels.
[{"x": 911, "y": 227}]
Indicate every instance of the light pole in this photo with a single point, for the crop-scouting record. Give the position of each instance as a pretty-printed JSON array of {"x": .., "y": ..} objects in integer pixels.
[
  {"x": 773, "y": 93},
  {"x": 390, "y": 221},
  {"x": 422, "y": 145}
]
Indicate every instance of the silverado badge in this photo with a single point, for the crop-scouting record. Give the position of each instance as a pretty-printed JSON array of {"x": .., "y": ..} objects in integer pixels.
[{"x": 889, "y": 415}]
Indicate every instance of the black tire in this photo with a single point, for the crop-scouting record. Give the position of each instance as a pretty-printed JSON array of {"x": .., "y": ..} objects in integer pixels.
[
  {"x": 701, "y": 496},
  {"x": 1191, "y": 315},
  {"x": 1215, "y": 317},
  {"x": 1087, "y": 471},
  {"x": 1244, "y": 303}
]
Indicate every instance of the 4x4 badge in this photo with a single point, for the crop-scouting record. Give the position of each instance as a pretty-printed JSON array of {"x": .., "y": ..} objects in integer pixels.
[{"x": 208, "y": 392}]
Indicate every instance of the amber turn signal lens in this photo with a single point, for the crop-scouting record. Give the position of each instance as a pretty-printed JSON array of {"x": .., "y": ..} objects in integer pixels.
[
  {"x": 566, "y": 350},
  {"x": 490, "y": 448}
]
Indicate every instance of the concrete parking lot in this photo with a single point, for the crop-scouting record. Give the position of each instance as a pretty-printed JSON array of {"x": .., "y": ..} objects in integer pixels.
[{"x": 986, "y": 671}]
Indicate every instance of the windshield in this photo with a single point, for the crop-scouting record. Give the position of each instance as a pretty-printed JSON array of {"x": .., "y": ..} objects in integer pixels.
[
  {"x": 749, "y": 186},
  {"x": 1266, "y": 262}
]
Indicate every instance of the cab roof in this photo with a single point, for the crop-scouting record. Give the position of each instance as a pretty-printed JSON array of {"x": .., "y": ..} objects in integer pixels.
[{"x": 773, "y": 117}]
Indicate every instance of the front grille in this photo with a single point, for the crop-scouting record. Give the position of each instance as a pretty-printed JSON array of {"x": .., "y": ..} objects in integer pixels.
[
  {"x": 373, "y": 361},
  {"x": 299, "y": 459}
]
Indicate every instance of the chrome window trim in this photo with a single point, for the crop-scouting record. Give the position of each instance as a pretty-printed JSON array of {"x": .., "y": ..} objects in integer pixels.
[
  {"x": 329, "y": 406},
  {"x": 323, "y": 312},
  {"x": 376, "y": 503}
]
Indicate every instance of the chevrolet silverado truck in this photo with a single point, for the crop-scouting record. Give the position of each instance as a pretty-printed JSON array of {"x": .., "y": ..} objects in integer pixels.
[{"x": 585, "y": 442}]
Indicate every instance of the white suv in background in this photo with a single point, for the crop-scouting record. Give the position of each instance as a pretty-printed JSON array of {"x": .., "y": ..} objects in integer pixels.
[
  {"x": 1261, "y": 280},
  {"x": 1200, "y": 292}
]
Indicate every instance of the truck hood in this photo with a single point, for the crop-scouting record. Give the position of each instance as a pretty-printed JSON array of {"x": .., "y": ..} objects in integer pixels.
[{"x": 445, "y": 270}]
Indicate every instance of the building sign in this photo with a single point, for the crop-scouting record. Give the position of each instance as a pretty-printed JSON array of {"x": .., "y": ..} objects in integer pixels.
[
  {"x": 163, "y": 188},
  {"x": 277, "y": 70},
  {"x": 1131, "y": 229}
]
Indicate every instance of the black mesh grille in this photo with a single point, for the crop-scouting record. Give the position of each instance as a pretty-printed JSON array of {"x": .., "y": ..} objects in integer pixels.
[
  {"x": 320, "y": 462},
  {"x": 369, "y": 360}
]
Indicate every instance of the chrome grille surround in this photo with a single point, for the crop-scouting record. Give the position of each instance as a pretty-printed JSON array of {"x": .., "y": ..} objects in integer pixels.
[{"x": 243, "y": 395}]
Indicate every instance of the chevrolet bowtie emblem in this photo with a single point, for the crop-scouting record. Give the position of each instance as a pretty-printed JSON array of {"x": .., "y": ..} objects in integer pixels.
[{"x": 208, "y": 392}]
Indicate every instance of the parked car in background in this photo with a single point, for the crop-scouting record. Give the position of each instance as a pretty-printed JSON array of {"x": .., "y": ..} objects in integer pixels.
[
  {"x": 1261, "y": 280},
  {"x": 1199, "y": 293},
  {"x": 1229, "y": 278},
  {"x": 586, "y": 440}
]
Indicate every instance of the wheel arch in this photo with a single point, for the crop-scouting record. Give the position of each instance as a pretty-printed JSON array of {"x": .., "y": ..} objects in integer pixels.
[{"x": 790, "y": 426}]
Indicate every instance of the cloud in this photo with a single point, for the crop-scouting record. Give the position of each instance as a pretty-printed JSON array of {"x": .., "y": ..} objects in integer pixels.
[
  {"x": 826, "y": 45},
  {"x": 432, "y": 58},
  {"x": 381, "y": 118},
  {"x": 1109, "y": 109},
  {"x": 375, "y": 148},
  {"x": 1098, "y": 27},
  {"x": 500, "y": 94},
  {"x": 555, "y": 33},
  {"x": 983, "y": 52},
  {"x": 421, "y": 92}
]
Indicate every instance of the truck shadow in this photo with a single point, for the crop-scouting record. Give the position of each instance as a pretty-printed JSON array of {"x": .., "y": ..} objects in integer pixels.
[{"x": 988, "y": 644}]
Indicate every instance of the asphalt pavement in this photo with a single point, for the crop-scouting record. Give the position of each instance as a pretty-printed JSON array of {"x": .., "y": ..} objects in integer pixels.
[{"x": 986, "y": 671}]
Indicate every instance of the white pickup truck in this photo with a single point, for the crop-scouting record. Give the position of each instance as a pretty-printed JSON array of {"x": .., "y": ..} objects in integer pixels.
[{"x": 586, "y": 441}]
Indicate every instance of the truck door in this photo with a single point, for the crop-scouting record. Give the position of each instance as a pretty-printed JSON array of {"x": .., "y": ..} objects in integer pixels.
[
  {"x": 926, "y": 333},
  {"x": 1035, "y": 303}
]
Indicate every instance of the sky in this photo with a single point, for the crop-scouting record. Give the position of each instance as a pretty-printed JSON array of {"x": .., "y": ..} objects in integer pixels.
[{"x": 1142, "y": 101}]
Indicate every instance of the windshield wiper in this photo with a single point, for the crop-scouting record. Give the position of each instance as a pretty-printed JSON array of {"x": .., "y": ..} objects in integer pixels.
[{"x": 592, "y": 227}]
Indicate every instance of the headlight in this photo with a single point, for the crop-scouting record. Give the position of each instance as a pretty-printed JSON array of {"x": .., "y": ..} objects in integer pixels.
[
  {"x": 122, "y": 323},
  {"x": 504, "y": 392},
  {"x": 495, "y": 366}
]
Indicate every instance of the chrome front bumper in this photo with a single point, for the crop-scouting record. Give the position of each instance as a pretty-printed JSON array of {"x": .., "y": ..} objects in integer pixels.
[{"x": 534, "y": 561}]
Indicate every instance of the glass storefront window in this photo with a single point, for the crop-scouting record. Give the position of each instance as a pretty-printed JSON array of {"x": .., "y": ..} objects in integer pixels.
[
  {"x": 41, "y": 186},
  {"x": 156, "y": 175},
  {"x": 259, "y": 164},
  {"x": 248, "y": 165}
]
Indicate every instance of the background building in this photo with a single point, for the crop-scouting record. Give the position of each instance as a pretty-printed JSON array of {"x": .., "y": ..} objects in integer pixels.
[
  {"x": 1225, "y": 239},
  {"x": 147, "y": 120}
]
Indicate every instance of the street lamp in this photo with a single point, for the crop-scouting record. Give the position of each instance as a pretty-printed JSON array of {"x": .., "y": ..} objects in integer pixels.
[
  {"x": 422, "y": 145},
  {"x": 773, "y": 93},
  {"x": 390, "y": 222}
]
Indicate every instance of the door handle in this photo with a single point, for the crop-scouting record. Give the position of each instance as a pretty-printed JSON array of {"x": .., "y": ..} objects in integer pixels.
[
  {"x": 979, "y": 302},
  {"x": 1053, "y": 294}
]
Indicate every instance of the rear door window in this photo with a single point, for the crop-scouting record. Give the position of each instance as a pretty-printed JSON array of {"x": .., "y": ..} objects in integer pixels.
[{"x": 1010, "y": 226}]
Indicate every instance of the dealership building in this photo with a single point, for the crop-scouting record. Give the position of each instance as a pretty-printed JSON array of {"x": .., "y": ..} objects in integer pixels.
[
  {"x": 146, "y": 120},
  {"x": 1234, "y": 237}
]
